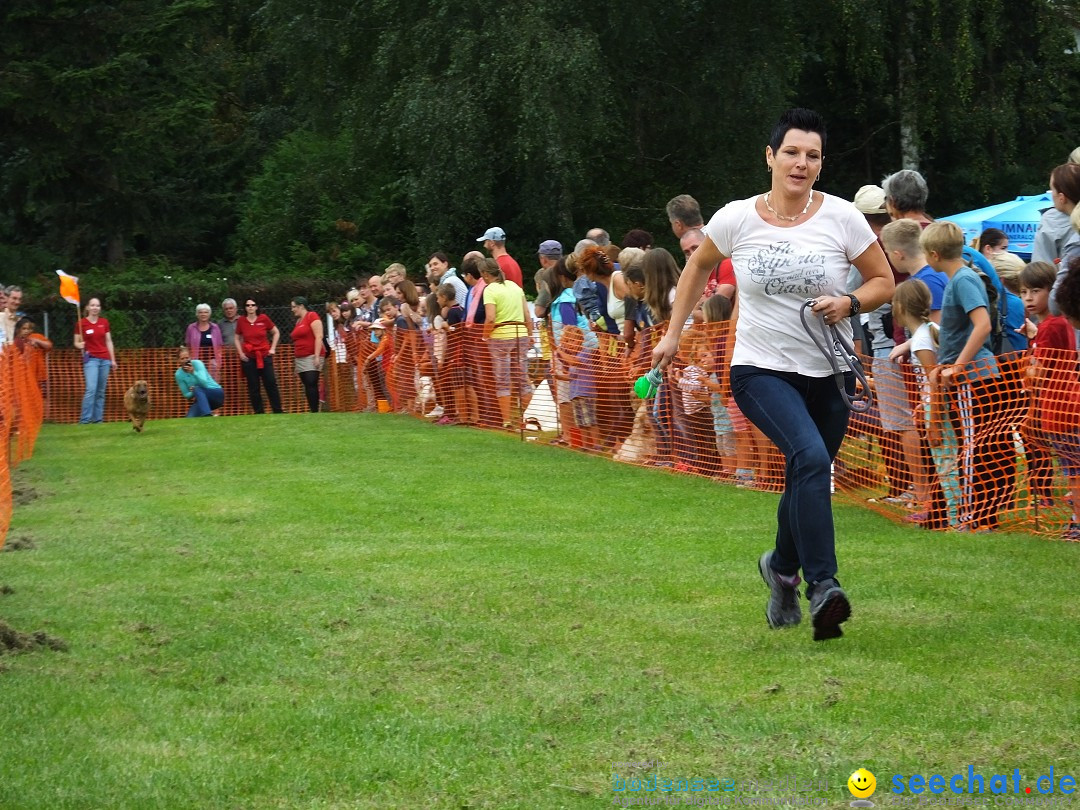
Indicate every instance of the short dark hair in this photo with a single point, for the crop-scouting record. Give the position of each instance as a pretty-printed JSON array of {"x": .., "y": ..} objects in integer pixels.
[
  {"x": 637, "y": 238},
  {"x": 1038, "y": 276},
  {"x": 442, "y": 257},
  {"x": 633, "y": 272},
  {"x": 797, "y": 118},
  {"x": 471, "y": 267},
  {"x": 300, "y": 301}
]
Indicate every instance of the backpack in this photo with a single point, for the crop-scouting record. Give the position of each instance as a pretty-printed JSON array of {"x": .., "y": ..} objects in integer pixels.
[{"x": 996, "y": 310}]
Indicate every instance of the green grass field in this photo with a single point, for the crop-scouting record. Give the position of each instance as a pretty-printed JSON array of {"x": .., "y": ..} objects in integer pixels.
[{"x": 350, "y": 611}]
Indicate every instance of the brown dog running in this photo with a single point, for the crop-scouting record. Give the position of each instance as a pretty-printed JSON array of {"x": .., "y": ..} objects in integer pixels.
[{"x": 137, "y": 404}]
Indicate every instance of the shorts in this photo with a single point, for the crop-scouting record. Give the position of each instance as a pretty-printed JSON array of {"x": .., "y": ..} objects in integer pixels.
[
  {"x": 584, "y": 411},
  {"x": 720, "y": 419},
  {"x": 562, "y": 391}
]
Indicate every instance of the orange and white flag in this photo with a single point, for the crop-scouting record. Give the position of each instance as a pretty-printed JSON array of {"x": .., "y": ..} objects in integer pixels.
[{"x": 69, "y": 287}]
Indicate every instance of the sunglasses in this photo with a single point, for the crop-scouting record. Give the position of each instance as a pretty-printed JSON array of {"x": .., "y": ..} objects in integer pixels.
[{"x": 249, "y": 304}]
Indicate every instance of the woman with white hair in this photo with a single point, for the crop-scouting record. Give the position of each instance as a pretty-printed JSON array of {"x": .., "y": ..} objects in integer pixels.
[{"x": 203, "y": 338}]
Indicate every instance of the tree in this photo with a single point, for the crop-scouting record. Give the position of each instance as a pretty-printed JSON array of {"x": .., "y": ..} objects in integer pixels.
[{"x": 113, "y": 127}]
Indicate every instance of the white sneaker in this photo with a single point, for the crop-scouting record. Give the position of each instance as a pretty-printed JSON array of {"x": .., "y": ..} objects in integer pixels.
[{"x": 435, "y": 412}]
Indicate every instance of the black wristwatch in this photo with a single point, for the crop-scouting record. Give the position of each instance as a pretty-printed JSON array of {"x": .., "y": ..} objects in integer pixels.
[{"x": 856, "y": 305}]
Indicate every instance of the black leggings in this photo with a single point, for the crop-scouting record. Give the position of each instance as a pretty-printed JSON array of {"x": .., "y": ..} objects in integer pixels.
[
  {"x": 253, "y": 374},
  {"x": 310, "y": 379}
]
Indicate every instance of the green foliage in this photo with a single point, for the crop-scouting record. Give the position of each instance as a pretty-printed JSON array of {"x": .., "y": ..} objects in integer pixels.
[
  {"x": 313, "y": 206},
  {"x": 981, "y": 85},
  {"x": 322, "y": 137},
  {"x": 112, "y": 128}
]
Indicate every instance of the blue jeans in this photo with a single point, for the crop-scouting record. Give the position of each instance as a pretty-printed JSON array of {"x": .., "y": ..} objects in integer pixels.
[
  {"x": 96, "y": 372},
  {"x": 205, "y": 400},
  {"x": 806, "y": 418}
]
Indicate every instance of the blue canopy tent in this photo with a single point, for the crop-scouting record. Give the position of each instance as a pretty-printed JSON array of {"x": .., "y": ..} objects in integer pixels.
[
  {"x": 1016, "y": 214},
  {"x": 1020, "y": 223}
]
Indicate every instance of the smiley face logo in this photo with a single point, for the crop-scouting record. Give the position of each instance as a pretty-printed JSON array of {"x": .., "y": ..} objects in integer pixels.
[{"x": 862, "y": 784}]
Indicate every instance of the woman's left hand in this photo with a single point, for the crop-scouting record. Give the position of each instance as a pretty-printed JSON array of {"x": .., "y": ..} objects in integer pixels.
[{"x": 833, "y": 308}]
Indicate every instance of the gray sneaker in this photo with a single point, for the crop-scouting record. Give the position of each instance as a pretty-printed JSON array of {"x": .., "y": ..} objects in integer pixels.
[
  {"x": 783, "y": 608},
  {"x": 829, "y": 607}
]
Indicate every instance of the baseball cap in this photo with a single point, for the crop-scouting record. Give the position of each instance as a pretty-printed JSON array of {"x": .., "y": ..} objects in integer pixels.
[
  {"x": 870, "y": 200},
  {"x": 550, "y": 247},
  {"x": 495, "y": 234}
]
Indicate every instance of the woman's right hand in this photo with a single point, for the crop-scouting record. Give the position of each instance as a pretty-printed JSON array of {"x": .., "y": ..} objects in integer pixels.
[
  {"x": 665, "y": 351},
  {"x": 242, "y": 356}
]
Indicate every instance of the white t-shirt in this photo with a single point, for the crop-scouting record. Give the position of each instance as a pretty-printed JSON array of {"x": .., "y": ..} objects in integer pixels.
[
  {"x": 923, "y": 340},
  {"x": 777, "y": 269}
]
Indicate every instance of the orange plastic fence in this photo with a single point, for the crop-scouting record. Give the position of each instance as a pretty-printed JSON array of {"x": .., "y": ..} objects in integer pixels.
[
  {"x": 976, "y": 453},
  {"x": 21, "y": 411}
]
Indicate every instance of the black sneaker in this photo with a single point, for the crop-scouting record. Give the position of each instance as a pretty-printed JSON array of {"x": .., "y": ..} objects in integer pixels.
[
  {"x": 783, "y": 608},
  {"x": 829, "y": 606}
]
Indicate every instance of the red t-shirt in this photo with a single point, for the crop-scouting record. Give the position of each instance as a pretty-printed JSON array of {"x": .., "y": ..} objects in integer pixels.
[
  {"x": 723, "y": 273},
  {"x": 1059, "y": 392},
  {"x": 94, "y": 337},
  {"x": 255, "y": 336},
  {"x": 511, "y": 269},
  {"x": 303, "y": 338}
]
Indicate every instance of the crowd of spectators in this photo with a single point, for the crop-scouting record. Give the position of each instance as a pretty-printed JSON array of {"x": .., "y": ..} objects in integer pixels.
[{"x": 463, "y": 345}]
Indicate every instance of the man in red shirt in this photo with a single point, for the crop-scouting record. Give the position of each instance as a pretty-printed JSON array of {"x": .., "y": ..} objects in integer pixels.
[{"x": 494, "y": 240}]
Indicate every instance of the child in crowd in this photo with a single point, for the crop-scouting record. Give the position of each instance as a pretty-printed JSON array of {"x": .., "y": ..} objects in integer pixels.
[
  {"x": 456, "y": 377},
  {"x": 581, "y": 375},
  {"x": 34, "y": 347},
  {"x": 1053, "y": 381},
  {"x": 407, "y": 345},
  {"x": 699, "y": 451},
  {"x": 376, "y": 362},
  {"x": 735, "y": 438},
  {"x": 969, "y": 373},
  {"x": 911, "y": 309}
]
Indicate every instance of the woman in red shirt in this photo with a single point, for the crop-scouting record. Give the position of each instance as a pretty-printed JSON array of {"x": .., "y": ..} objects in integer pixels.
[
  {"x": 307, "y": 338},
  {"x": 257, "y": 355},
  {"x": 99, "y": 358}
]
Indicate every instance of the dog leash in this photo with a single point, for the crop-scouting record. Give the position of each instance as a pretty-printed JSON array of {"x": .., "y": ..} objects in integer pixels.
[
  {"x": 647, "y": 384},
  {"x": 835, "y": 347}
]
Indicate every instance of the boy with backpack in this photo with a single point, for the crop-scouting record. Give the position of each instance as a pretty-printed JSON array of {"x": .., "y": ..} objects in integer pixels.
[{"x": 968, "y": 371}]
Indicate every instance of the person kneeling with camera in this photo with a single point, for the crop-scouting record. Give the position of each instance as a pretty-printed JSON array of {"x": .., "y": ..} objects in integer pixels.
[{"x": 197, "y": 385}]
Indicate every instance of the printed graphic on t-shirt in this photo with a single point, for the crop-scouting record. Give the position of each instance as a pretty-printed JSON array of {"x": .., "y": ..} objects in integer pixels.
[{"x": 783, "y": 270}]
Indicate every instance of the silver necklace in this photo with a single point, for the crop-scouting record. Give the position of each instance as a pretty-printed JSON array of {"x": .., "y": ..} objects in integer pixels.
[{"x": 809, "y": 202}]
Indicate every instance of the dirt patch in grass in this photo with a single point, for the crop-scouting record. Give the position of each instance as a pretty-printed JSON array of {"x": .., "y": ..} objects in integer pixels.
[
  {"x": 22, "y": 543},
  {"x": 11, "y": 640},
  {"x": 23, "y": 494}
]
